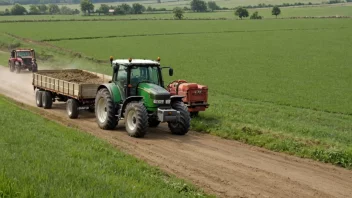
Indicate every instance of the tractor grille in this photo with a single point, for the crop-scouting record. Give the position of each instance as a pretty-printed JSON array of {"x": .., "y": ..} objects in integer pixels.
[{"x": 27, "y": 61}]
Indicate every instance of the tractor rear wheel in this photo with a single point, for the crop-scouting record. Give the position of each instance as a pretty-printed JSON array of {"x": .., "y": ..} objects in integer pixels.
[
  {"x": 47, "y": 100},
  {"x": 136, "y": 117},
  {"x": 72, "y": 108},
  {"x": 105, "y": 110},
  {"x": 180, "y": 127},
  {"x": 38, "y": 98}
]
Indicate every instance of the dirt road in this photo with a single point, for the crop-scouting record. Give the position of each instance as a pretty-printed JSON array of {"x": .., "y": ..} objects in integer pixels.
[{"x": 222, "y": 167}]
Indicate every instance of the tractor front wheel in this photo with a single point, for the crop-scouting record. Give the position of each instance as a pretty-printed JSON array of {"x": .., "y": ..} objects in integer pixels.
[
  {"x": 136, "y": 117},
  {"x": 105, "y": 110},
  {"x": 180, "y": 127},
  {"x": 34, "y": 67}
]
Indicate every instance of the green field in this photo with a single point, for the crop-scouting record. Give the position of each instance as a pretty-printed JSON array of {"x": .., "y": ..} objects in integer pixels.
[
  {"x": 42, "y": 158},
  {"x": 281, "y": 84},
  {"x": 316, "y": 11},
  {"x": 169, "y": 4}
]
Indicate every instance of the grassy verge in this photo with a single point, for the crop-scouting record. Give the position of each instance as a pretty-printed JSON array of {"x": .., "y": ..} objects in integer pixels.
[{"x": 41, "y": 158}]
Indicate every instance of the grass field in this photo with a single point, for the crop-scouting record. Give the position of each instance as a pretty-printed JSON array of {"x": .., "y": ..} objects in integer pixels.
[
  {"x": 42, "y": 158},
  {"x": 280, "y": 84},
  {"x": 169, "y": 4},
  {"x": 334, "y": 10}
]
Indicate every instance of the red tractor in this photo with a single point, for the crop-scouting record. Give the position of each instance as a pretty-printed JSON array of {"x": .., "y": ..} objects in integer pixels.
[
  {"x": 23, "y": 59},
  {"x": 196, "y": 95}
]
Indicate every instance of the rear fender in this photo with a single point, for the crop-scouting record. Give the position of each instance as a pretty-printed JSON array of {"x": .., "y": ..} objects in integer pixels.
[
  {"x": 128, "y": 100},
  {"x": 113, "y": 90}
]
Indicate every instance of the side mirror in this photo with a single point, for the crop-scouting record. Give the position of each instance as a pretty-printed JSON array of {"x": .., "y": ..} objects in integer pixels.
[{"x": 171, "y": 72}]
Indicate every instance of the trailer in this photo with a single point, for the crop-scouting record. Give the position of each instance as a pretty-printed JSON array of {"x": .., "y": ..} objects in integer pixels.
[{"x": 78, "y": 88}]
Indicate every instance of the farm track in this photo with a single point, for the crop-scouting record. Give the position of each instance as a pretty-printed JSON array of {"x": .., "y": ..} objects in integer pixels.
[{"x": 222, "y": 167}]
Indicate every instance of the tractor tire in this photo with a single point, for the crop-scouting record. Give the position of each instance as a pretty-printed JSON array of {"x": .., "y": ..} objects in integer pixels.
[
  {"x": 136, "y": 119},
  {"x": 182, "y": 126},
  {"x": 47, "y": 100},
  {"x": 12, "y": 69},
  {"x": 72, "y": 108},
  {"x": 35, "y": 68},
  {"x": 18, "y": 69},
  {"x": 105, "y": 110},
  {"x": 153, "y": 122},
  {"x": 38, "y": 98}
]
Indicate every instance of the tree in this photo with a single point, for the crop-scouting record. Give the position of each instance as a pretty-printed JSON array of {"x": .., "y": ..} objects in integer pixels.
[
  {"x": 198, "y": 6},
  {"x": 138, "y": 8},
  {"x": 178, "y": 13},
  {"x": 158, "y": 1},
  {"x": 66, "y": 10},
  {"x": 33, "y": 9},
  {"x": 123, "y": 9},
  {"x": 255, "y": 15},
  {"x": 54, "y": 9},
  {"x": 241, "y": 12},
  {"x": 7, "y": 12},
  {"x": 42, "y": 8},
  {"x": 276, "y": 11},
  {"x": 17, "y": 9},
  {"x": 87, "y": 6},
  {"x": 104, "y": 8},
  {"x": 213, "y": 6}
]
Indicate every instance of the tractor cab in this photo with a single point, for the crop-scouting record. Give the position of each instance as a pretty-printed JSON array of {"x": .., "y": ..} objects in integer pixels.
[{"x": 129, "y": 74}]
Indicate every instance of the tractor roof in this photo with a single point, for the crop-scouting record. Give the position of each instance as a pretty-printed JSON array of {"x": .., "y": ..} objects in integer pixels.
[
  {"x": 21, "y": 50},
  {"x": 135, "y": 62}
]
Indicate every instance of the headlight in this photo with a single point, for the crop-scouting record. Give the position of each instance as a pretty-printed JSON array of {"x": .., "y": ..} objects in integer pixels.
[
  {"x": 167, "y": 101},
  {"x": 158, "y": 101}
]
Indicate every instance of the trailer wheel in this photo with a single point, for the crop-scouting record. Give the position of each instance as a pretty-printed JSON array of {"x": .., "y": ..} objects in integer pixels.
[
  {"x": 136, "y": 117},
  {"x": 105, "y": 110},
  {"x": 72, "y": 108},
  {"x": 182, "y": 126},
  {"x": 47, "y": 100},
  {"x": 38, "y": 98}
]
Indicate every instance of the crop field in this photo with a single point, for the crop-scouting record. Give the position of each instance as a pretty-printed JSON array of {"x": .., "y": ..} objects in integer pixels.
[
  {"x": 43, "y": 158},
  {"x": 281, "y": 84},
  {"x": 169, "y": 4},
  {"x": 316, "y": 11}
]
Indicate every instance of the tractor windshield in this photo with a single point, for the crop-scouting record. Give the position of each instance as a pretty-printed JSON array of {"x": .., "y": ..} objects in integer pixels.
[
  {"x": 145, "y": 73},
  {"x": 23, "y": 53}
]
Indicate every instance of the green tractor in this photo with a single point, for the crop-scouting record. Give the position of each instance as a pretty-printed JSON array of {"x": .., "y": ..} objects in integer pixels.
[{"x": 137, "y": 95}]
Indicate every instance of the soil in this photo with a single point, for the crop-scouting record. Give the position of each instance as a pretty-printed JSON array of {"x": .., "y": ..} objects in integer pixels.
[
  {"x": 76, "y": 76},
  {"x": 225, "y": 168}
]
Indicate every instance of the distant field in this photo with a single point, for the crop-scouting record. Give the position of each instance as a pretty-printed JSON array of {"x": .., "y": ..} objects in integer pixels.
[
  {"x": 41, "y": 158},
  {"x": 183, "y": 3},
  {"x": 335, "y": 10}
]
